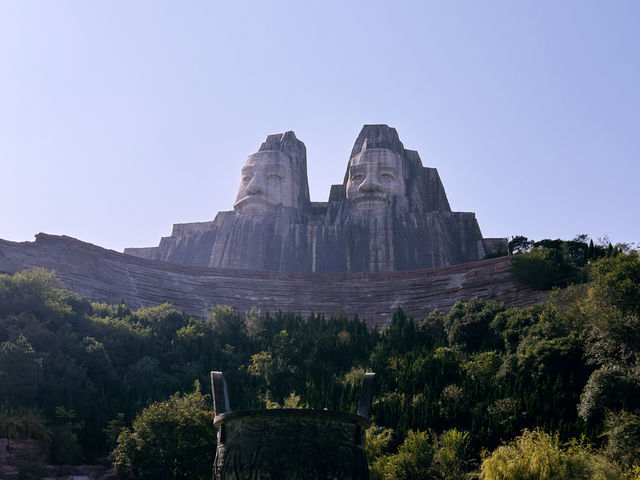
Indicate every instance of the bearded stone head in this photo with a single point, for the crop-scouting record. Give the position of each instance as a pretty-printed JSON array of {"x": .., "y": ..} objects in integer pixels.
[
  {"x": 381, "y": 173},
  {"x": 274, "y": 178},
  {"x": 376, "y": 171}
]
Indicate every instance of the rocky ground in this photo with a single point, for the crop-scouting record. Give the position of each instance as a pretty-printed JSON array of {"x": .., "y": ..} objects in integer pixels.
[{"x": 26, "y": 459}]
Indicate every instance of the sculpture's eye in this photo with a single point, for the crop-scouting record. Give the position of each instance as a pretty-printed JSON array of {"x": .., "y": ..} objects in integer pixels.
[
  {"x": 274, "y": 177},
  {"x": 387, "y": 176},
  {"x": 356, "y": 178}
]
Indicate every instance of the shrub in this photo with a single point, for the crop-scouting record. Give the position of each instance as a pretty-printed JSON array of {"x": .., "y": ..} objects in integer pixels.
[
  {"x": 545, "y": 267},
  {"x": 413, "y": 460},
  {"x": 174, "y": 439},
  {"x": 537, "y": 455}
]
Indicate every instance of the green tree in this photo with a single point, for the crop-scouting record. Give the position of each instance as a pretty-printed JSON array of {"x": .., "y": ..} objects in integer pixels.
[
  {"x": 413, "y": 460},
  {"x": 169, "y": 440},
  {"x": 537, "y": 455},
  {"x": 24, "y": 423},
  {"x": 451, "y": 457},
  {"x": 519, "y": 244},
  {"x": 163, "y": 319},
  {"x": 36, "y": 290},
  {"x": 20, "y": 372},
  {"x": 616, "y": 282},
  {"x": 610, "y": 388},
  {"x": 468, "y": 325},
  {"x": 622, "y": 431},
  {"x": 551, "y": 263},
  {"x": 378, "y": 440},
  {"x": 225, "y": 322},
  {"x": 535, "y": 269},
  {"x": 65, "y": 448}
]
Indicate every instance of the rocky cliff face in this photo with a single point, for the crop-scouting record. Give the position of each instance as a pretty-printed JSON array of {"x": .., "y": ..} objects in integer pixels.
[
  {"x": 389, "y": 214},
  {"x": 108, "y": 276}
]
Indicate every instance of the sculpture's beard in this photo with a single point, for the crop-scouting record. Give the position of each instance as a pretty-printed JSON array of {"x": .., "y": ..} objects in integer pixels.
[
  {"x": 255, "y": 204},
  {"x": 370, "y": 201}
]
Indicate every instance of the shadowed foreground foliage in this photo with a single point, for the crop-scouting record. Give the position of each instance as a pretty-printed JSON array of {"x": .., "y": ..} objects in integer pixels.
[{"x": 86, "y": 378}]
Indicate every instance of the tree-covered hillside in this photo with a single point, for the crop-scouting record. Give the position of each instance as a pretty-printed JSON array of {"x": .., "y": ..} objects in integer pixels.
[{"x": 469, "y": 392}]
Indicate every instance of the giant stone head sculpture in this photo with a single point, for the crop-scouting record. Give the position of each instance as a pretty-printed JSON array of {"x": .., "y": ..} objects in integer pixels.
[
  {"x": 275, "y": 178},
  {"x": 381, "y": 174},
  {"x": 376, "y": 174}
]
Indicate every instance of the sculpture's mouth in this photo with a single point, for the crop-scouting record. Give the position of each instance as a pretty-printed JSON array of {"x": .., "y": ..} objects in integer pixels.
[
  {"x": 255, "y": 204},
  {"x": 368, "y": 201}
]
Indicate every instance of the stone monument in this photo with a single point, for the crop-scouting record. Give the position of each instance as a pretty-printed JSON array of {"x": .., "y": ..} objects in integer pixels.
[
  {"x": 275, "y": 178},
  {"x": 390, "y": 213},
  {"x": 290, "y": 444}
]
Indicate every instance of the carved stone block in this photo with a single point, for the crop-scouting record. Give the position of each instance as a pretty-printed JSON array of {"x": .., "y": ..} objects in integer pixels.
[{"x": 290, "y": 444}]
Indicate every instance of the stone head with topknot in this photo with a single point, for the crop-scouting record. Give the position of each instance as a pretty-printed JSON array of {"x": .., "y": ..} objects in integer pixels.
[{"x": 275, "y": 178}]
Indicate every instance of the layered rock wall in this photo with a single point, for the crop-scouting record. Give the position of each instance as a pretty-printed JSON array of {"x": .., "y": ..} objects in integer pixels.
[{"x": 108, "y": 276}]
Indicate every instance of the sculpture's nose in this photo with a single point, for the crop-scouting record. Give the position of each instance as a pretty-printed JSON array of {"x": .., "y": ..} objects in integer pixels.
[
  {"x": 256, "y": 185},
  {"x": 369, "y": 185}
]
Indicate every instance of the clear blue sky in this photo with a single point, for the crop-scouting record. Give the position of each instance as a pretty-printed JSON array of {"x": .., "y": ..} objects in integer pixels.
[{"x": 120, "y": 118}]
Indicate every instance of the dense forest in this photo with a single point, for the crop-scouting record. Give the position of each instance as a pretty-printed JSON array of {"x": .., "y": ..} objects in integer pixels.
[{"x": 481, "y": 391}]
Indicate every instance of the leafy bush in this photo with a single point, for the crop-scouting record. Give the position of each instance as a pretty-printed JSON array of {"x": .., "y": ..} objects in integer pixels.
[
  {"x": 23, "y": 423},
  {"x": 413, "y": 460},
  {"x": 609, "y": 388},
  {"x": 535, "y": 269},
  {"x": 537, "y": 455},
  {"x": 616, "y": 282},
  {"x": 451, "y": 457},
  {"x": 65, "y": 448},
  {"x": 544, "y": 268},
  {"x": 422, "y": 455},
  {"x": 174, "y": 439},
  {"x": 550, "y": 263},
  {"x": 622, "y": 431},
  {"x": 468, "y": 325}
]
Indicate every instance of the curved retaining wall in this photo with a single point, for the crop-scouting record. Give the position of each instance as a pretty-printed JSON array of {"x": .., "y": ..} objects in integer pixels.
[{"x": 108, "y": 276}]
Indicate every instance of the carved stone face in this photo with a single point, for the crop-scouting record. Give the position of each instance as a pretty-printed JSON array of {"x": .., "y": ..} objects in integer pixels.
[
  {"x": 267, "y": 184},
  {"x": 375, "y": 176}
]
